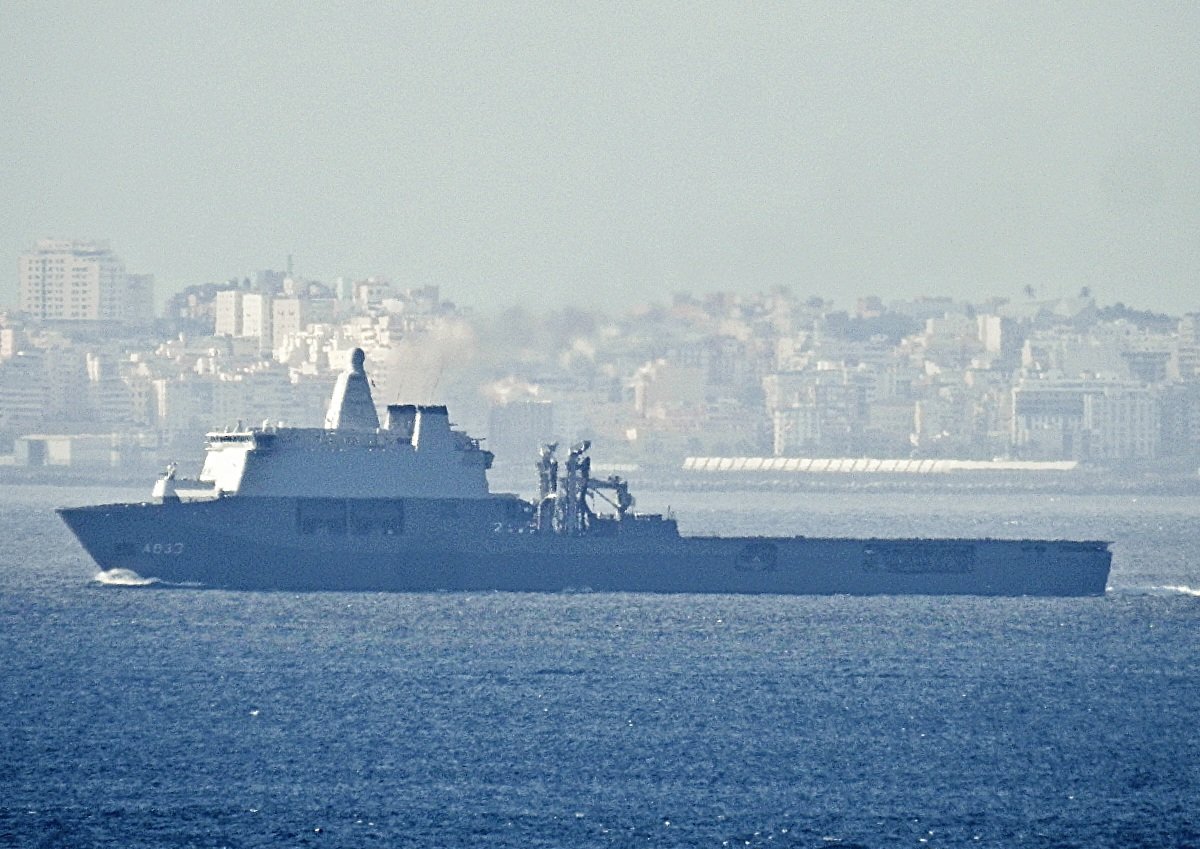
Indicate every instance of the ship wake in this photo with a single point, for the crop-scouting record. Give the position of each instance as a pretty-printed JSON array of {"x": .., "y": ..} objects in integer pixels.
[
  {"x": 1162, "y": 589},
  {"x": 123, "y": 578},
  {"x": 1179, "y": 588}
]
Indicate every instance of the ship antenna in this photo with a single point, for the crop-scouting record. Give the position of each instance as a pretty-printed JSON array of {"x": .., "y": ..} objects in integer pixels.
[{"x": 437, "y": 378}]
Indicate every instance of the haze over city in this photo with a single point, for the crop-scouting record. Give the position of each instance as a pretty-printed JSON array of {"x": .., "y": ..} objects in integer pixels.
[
  {"x": 600, "y": 424},
  {"x": 611, "y": 154}
]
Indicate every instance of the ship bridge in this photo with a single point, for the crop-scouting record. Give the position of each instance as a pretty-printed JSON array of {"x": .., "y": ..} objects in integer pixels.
[{"x": 415, "y": 454}]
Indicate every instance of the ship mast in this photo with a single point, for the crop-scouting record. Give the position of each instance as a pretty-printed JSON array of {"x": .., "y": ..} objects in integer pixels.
[{"x": 562, "y": 505}]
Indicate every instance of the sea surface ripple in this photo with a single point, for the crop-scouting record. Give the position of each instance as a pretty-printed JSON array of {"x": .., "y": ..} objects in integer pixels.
[{"x": 140, "y": 717}]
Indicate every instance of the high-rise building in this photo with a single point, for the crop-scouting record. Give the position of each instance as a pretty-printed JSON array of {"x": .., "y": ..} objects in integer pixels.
[
  {"x": 1085, "y": 420},
  {"x": 288, "y": 318},
  {"x": 228, "y": 313},
  {"x": 71, "y": 280},
  {"x": 256, "y": 318}
]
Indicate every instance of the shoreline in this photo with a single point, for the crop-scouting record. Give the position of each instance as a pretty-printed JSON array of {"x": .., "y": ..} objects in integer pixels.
[{"x": 674, "y": 479}]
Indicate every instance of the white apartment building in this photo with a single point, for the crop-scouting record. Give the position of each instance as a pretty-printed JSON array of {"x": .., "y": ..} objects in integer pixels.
[
  {"x": 795, "y": 430},
  {"x": 371, "y": 291},
  {"x": 1068, "y": 354},
  {"x": 1125, "y": 422},
  {"x": 245, "y": 315},
  {"x": 23, "y": 393},
  {"x": 289, "y": 316},
  {"x": 72, "y": 280},
  {"x": 227, "y": 313},
  {"x": 1085, "y": 420},
  {"x": 256, "y": 318},
  {"x": 109, "y": 399}
]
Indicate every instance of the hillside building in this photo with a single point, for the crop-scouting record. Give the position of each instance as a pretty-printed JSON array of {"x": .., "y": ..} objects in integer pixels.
[{"x": 77, "y": 281}]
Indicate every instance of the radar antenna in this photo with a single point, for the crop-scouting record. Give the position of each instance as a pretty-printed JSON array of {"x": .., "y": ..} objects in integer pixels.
[{"x": 565, "y": 501}]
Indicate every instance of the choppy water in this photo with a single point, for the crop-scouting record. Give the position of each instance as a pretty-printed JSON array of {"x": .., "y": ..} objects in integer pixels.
[{"x": 142, "y": 717}]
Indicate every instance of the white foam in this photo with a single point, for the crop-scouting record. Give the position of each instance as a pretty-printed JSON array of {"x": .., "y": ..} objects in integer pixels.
[
  {"x": 1185, "y": 590},
  {"x": 123, "y": 578},
  {"x": 1160, "y": 589}
]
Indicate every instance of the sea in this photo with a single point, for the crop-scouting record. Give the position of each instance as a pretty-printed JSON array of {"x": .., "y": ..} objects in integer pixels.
[{"x": 135, "y": 716}]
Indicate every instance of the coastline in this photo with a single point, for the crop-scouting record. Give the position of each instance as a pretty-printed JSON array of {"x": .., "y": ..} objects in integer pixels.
[
  {"x": 1076, "y": 482},
  {"x": 674, "y": 478}
]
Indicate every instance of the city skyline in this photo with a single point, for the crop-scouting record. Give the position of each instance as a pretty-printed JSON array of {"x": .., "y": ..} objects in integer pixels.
[
  {"x": 270, "y": 279},
  {"x": 1059, "y": 380},
  {"x": 606, "y": 156}
]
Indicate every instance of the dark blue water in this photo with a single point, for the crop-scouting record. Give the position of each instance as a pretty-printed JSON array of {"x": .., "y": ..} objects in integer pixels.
[{"x": 142, "y": 717}]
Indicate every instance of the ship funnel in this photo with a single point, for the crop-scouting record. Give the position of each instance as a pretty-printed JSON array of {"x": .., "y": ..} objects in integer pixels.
[
  {"x": 432, "y": 430},
  {"x": 351, "y": 407},
  {"x": 401, "y": 420}
]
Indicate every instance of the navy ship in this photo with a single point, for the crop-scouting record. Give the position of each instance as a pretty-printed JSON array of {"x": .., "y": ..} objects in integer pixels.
[{"x": 406, "y": 507}]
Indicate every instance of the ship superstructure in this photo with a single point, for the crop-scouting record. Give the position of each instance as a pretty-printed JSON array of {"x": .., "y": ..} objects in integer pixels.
[
  {"x": 405, "y": 506},
  {"x": 415, "y": 454}
]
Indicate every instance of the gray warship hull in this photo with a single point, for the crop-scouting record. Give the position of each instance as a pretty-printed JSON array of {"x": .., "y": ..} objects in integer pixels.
[
  {"x": 415, "y": 545},
  {"x": 406, "y": 507}
]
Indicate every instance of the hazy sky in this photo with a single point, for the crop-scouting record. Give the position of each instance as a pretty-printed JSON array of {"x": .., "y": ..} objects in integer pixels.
[{"x": 612, "y": 153}]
